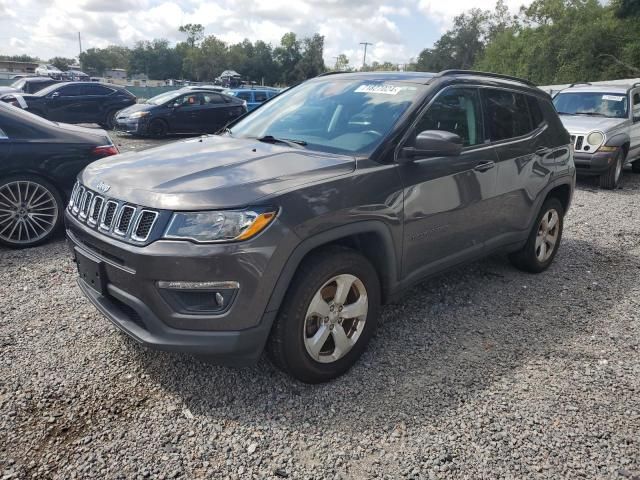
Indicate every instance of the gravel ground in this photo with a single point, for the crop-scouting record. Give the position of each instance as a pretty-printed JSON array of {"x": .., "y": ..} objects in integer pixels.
[{"x": 484, "y": 372}]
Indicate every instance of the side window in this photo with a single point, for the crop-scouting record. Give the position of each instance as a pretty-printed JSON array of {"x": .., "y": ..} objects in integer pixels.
[
  {"x": 507, "y": 114},
  {"x": 636, "y": 105},
  {"x": 456, "y": 111},
  {"x": 70, "y": 91},
  {"x": 213, "y": 98},
  {"x": 96, "y": 90},
  {"x": 535, "y": 111},
  {"x": 189, "y": 100},
  {"x": 2, "y": 134},
  {"x": 260, "y": 96},
  {"x": 245, "y": 96}
]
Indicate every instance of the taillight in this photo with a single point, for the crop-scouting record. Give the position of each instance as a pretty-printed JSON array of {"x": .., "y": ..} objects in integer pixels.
[{"x": 105, "y": 151}]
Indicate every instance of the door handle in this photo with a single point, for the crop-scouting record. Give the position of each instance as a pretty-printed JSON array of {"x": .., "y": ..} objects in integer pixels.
[{"x": 484, "y": 166}]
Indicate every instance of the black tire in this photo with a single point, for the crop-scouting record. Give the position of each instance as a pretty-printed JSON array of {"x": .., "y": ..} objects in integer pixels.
[
  {"x": 527, "y": 258},
  {"x": 158, "y": 128},
  {"x": 287, "y": 347},
  {"x": 109, "y": 120},
  {"x": 635, "y": 166},
  {"x": 611, "y": 179},
  {"x": 42, "y": 211}
]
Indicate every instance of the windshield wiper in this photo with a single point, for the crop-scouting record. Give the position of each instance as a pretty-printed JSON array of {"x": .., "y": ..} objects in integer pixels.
[
  {"x": 290, "y": 142},
  {"x": 592, "y": 114},
  {"x": 565, "y": 113}
]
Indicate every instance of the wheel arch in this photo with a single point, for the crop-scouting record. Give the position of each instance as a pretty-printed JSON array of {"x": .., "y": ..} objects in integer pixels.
[
  {"x": 35, "y": 173},
  {"x": 373, "y": 239},
  {"x": 619, "y": 140}
]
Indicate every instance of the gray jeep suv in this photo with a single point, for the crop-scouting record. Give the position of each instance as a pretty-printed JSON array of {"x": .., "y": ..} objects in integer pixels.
[
  {"x": 604, "y": 124},
  {"x": 292, "y": 227}
]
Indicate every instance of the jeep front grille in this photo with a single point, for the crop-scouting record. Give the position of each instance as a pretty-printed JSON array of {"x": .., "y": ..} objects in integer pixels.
[{"x": 112, "y": 217}]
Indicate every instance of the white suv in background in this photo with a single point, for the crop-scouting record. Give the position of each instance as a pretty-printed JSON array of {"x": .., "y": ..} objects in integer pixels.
[{"x": 604, "y": 123}]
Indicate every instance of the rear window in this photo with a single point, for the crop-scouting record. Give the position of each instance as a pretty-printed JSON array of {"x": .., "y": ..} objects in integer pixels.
[
  {"x": 507, "y": 114},
  {"x": 260, "y": 96},
  {"x": 536, "y": 113}
]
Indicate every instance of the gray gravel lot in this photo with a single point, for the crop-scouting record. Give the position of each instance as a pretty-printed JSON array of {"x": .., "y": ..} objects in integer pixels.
[{"x": 484, "y": 372}]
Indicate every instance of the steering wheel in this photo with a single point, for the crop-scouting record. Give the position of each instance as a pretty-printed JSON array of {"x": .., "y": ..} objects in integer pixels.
[{"x": 373, "y": 132}]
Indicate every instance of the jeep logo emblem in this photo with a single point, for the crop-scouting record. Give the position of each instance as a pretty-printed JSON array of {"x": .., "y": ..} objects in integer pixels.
[{"x": 103, "y": 187}]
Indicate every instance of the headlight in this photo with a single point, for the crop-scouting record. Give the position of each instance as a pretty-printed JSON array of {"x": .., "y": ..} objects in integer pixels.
[
  {"x": 138, "y": 114},
  {"x": 219, "y": 226},
  {"x": 595, "y": 138}
]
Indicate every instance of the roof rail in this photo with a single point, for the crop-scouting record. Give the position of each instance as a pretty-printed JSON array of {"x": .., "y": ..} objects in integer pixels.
[
  {"x": 332, "y": 72},
  {"x": 578, "y": 83},
  {"x": 446, "y": 73}
]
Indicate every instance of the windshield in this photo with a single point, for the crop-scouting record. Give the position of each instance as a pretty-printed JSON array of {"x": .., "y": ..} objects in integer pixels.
[
  {"x": 18, "y": 84},
  {"x": 332, "y": 115},
  {"x": 164, "y": 97},
  {"x": 611, "y": 105}
]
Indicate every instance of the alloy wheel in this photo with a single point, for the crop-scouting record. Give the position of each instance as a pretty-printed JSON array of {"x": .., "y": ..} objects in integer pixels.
[
  {"x": 335, "y": 318},
  {"x": 547, "y": 238},
  {"x": 28, "y": 212}
]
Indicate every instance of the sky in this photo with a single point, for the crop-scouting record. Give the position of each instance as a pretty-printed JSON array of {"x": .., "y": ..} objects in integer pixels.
[{"x": 398, "y": 29}]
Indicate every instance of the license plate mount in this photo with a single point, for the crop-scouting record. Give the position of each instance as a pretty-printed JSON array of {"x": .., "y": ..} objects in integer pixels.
[{"x": 91, "y": 271}]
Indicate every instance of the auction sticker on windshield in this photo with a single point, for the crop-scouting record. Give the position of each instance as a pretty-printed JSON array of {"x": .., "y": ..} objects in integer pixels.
[
  {"x": 378, "y": 89},
  {"x": 612, "y": 98}
]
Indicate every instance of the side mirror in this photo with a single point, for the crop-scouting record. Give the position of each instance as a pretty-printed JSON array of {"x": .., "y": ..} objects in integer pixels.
[{"x": 433, "y": 143}]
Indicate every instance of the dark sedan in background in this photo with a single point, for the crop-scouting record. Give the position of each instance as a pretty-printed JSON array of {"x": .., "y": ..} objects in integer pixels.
[
  {"x": 78, "y": 102},
  {"x": 39, "y": 162},
  {"x": 28, "y": 85},
  {"x": 181, "y": 111}
]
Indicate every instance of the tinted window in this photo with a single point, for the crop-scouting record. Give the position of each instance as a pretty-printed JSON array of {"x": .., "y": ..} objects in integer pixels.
[
  {"x": 536, "y": 114},
  {"x": 70, "y": 91},
  {"x": 96, "y": 90},
  {"x": 507, "y": 114},
  {"x": 213, "y": 98},
  {"x": 456, "y": 111},
  {"x": 189, "y": 100},
  {"x": 260, "y": 96},
  {"x": 244, "y": 96}
]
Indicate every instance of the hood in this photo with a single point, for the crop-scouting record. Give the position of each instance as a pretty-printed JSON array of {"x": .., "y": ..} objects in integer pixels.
[
  {"x": 138, "y": 107},
  {"x": 4, "y": 90},
  {"x": 211, "y": 172},
  {"x": 583, "y": 124}
]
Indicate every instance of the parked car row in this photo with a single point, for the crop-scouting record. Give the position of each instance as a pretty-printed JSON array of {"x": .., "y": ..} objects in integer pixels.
[{"x": 67, "y": 75}]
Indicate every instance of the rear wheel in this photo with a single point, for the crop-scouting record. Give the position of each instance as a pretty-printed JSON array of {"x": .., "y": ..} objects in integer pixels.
[
  {"x": 109, "y": 121},
  {"x": 328, "y": 316},
  {"x": 158, "y": 128},
  {"x": 544, "y": 240},
  {"x": 30, "y": 211},
  {"x": 611, "y": 178}
]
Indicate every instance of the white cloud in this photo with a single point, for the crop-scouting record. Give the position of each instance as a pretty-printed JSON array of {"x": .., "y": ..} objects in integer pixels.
[{"x": 398, "y": 29}]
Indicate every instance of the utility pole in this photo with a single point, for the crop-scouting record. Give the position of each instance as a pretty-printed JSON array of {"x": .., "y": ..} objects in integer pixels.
[
  {"x": 79, "y": 43},
  {"x": 364, "y": 58}
]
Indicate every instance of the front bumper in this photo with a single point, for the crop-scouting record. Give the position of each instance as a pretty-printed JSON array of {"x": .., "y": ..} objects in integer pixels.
[
  {"x": 136, "y": 126},
  {"x": 130, "y": 297},
  {"x": 594, "y": 163}
]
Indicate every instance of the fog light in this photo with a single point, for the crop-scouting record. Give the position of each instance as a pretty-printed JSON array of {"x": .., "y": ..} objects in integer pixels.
[{"x": 199, "y": 298}]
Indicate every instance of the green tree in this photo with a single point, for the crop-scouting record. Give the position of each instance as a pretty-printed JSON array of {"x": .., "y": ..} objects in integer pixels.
[
  {"x": 287, "y": 56},
  {"x": 194, "y": 32},
  {"x": 62, "y": 63},
  {"x": 342, "y": 63}
]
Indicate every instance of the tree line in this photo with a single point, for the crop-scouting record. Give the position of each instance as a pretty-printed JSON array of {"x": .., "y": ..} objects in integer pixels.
[{"x": 548, "y": 42}]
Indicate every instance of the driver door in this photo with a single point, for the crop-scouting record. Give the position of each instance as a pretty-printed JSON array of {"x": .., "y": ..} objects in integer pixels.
[
  {"x": 188, "y": 112},
  {"x": 448, "y": 201}
]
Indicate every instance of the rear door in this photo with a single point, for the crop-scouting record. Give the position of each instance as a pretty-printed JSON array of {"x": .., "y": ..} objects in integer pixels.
[
  {"x": 218, "y": 111},
  {"x": 94, "y": 100},
  {"x": 448, "y": 201},
  {"x": 525, "y": 149}
]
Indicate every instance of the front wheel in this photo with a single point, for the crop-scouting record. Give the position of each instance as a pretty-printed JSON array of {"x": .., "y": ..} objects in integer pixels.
[
  {"x": 611, "y": 178},
  {"x": 328, "y": 316},
  {"x": 544, "y": 240},
  {"x": 158, "y": 128},
  {"x": 30, "y": 211}
]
